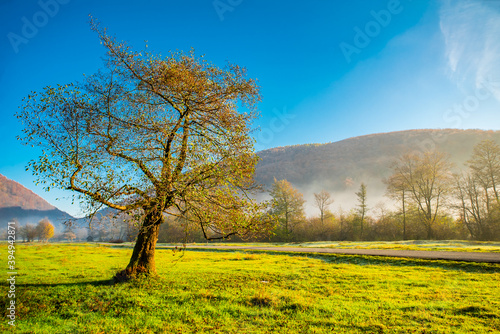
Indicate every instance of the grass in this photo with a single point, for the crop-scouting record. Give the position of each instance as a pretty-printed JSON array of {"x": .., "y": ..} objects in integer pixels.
[
  {"x": 441, "y": 245},
  {"x": 65, "y": 288}
]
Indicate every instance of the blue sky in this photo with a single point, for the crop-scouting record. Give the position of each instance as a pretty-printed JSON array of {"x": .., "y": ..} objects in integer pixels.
[{"x": 328, "y": 70}]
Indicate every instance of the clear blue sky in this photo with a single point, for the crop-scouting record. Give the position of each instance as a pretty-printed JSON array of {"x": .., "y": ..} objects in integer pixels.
[{"x": 329, "y": 70}]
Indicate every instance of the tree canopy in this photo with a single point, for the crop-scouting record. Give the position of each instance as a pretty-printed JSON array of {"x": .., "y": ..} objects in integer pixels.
[
  {"x": 151, "y": 135},
  {"x": 427, "y": 179},
  {"x": 287, "y": 205}
]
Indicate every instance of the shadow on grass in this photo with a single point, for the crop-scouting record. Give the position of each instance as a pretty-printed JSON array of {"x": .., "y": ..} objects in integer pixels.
[
  {"x": 107, "y": 282},
  {"x": 365, "y": 260}
]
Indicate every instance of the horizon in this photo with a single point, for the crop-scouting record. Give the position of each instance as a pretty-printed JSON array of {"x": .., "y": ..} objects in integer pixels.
[
  {"x": 343, "y": 200},
  {"x": 328, "y": 72}
]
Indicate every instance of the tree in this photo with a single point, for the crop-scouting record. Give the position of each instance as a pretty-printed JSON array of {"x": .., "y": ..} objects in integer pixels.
[
  {"x": 477, "y": 192},
  {"x": 474, "y": 212},
  {"x": 70, "y": 236},
  {"x": 362, "y": 206},
  {"x": 427, "y": 179},
  {"x": 397, "y": 189},
  {"x": 323, "y": 200},
  {"x": 151, "y": 135},
  {"x": 28, "y": 232},
  {"x": 485, "y": 168},
  {"x": 44, "y": 230},
  {"x": 287, "y": 205}
]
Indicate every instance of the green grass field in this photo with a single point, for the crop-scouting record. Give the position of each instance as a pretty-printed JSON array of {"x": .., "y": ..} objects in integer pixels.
[
  {"x": 434, "y": 245},
  {"x": 65, "y": 288}
]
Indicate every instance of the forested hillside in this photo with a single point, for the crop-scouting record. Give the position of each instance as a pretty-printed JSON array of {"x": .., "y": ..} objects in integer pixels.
[
  {"x": 21, "y": 204},
  {"x": 340, "y": 167},
  {"x": 13, "y": 194}
]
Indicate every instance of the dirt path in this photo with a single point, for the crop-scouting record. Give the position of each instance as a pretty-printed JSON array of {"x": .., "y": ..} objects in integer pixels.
[{"x": 431, "y": 255}]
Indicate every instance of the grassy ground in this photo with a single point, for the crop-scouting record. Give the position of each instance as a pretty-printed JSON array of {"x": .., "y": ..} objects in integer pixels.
[
  {"x": 64, "y": 288},
  {"x": 441, "y": 245}
]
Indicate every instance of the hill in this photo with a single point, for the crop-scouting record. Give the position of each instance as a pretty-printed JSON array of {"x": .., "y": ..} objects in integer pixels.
[
  {"x": 20, "y": 203},
  {"x": 337, "y": 167},
  {"x": 340, "y": 167},
  {"x": 13, "y": 194},
  {"x": 24, "y": 216}
]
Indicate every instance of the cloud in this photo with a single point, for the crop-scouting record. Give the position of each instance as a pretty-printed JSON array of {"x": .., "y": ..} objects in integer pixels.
[{"x": 471, "y": 31}]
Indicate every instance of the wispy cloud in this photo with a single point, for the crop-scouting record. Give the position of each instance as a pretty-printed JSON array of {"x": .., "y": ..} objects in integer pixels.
[{"x": 471, "y": 31}]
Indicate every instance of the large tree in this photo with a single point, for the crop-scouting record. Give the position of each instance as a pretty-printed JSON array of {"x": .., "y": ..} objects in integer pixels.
[
  {"x": 152, "y": 135},
  {"x": 426, "y": 178}
]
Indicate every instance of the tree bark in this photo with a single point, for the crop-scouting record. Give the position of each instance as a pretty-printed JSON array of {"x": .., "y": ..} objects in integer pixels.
[{"x": 143, "y": 256}]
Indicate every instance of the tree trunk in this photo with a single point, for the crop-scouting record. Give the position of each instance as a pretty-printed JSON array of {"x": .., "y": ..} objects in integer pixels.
[
  {"x": 143, "y": 256},
  {"x": 429, "y": 231},
  {"x": 404, "y": 217}
]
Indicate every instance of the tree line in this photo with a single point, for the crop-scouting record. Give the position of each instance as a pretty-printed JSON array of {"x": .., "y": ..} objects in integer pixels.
[
  {"x": 433, "y": 202},
  {"x": 43, "y": 231}
]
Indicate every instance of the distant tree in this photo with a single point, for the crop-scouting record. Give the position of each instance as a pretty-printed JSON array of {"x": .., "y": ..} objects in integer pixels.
[
  {"x": 386, "y": 226},
  {"x": 287, "y": 205},
  {"x": 362, "y": 206},
  {"x": 477, "y": 192},
  {"x": 155, "y": 135},
  {"x": 346, "y": 221},
  {"x": 81, "y": 234},
  {"x": 323, "y": 200},
  {"x": 397, "y": 189},
  {"x": 70, "y": 236},
  {"x": 427, "y": 179},
  {"x": 342, "y": 224},
  {"x": 44, "y": 230},
  {"x": 28, "y": 232},
  {"x": 485, "y": 168}
]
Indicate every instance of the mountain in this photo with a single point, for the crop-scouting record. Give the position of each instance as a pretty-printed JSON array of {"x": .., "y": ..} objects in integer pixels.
[
  {"x": 20, "y": 203},
  {"x": 337, "y": 167},
  {"x": 24, "y": 216},
  {"x": 340, "y": 167},
  {"x": 13, "y": 194}
]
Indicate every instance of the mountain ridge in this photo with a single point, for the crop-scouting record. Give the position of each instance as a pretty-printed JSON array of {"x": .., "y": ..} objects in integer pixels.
[
  {"x": 19, "y": 203},
  {"x": 13, "y": 194},
  {"x": 338, "y": 167}
]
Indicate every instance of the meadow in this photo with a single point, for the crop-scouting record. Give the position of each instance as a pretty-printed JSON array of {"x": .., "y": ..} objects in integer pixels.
[
  {"x": 66, "y": 288},
  {"x": 421, "y": 245}
]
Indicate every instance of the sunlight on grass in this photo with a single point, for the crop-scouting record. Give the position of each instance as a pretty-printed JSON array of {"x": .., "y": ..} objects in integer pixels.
[
  {"x": 434, "y": 245},
  {"x": 65, "y": 288}
]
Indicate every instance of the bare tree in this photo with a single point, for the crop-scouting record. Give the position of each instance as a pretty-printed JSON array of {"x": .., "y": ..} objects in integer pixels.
[
  {"x": 323, "y": 200},
  {"x": 44, "y": 230},
  {"x": 287, "y": 205},
  {"x": 472, "y": 204},
  {"x": 477, "y": 191},
  {"x": 397, "y": 189},
  {"x": 485, "y": 168},
  {"x": 28, "y": 232},
  {"x": 152, "y": 135},
  {"x": 427, "y": 179}
]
